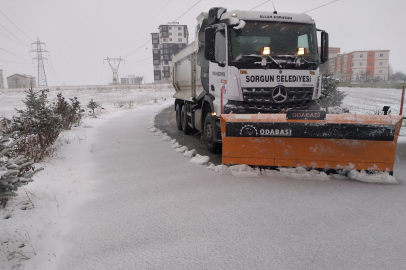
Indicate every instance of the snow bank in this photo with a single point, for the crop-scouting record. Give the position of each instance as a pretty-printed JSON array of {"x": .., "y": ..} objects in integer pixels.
[
  {"x": 376, "y": 177},
  {"x": 176, "y": 145},
  {"x": 299, "y": 173},
  {"x": 166, "y": 138},
  {"x": 190, "y": 153},
  {"x": 181, "y": 149},
  {"x": 236, "y": 170},
  {"x": 200, "y": 160}
]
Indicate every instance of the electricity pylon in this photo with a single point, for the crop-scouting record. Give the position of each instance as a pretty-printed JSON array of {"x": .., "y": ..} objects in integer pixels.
[
  {"x": 42, "y": 77},
  {"x": 114, "y": 68}
]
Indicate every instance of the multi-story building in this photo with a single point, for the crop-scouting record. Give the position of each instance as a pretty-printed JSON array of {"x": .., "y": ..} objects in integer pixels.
[
  {"x": 131, "y": 79},
  {"x": 1, "y": 79},
  {"x": 21, "y": 81},
  {"x": 361, "y": 65},
  {"x": 171, "y": 39}
]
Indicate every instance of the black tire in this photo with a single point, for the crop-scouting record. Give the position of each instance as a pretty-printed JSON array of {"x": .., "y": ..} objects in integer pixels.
[
  {"x": 178, "y": 117},
  {"x": 185, "y": 127},
  {"x": 209, "y": 131}
]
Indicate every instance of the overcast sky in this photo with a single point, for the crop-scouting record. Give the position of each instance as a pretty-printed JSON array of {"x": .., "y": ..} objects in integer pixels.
[{"x": 79, "y": 34}]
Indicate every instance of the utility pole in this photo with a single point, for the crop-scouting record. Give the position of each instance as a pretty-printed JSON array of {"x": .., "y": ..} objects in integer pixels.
[
  {"x": 114, "y": 67},
  {"x": 42, "y": 77}
]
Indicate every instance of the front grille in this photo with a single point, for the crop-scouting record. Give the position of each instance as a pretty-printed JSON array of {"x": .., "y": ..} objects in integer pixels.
[{"x": 260, "y": 99}]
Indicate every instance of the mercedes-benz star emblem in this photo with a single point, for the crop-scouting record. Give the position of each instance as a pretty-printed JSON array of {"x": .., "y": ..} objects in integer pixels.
[{"x": 279, "y": 94}]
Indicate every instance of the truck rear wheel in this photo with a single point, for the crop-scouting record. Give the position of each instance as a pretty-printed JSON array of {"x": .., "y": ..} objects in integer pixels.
[
  {"x": 209, "y": 131},
  {"x": 185, "y": 127},
  {"x": 178, "y": 117}
]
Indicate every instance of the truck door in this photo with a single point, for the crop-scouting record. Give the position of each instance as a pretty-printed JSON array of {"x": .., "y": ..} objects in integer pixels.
[{"x": 218, "y": 71}]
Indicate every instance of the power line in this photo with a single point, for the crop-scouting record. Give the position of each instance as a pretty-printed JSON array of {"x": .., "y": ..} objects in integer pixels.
[
  {"x": 321, "y": 6},
  {"x": 14, "y": 54},
  {"x": 137, "y": 49},
  {"x": 53, "y": 69},
  {"x": 140, "y": 60},
  {"x": 260, "y": 5},
  {"x": 187, "y": 11},
  {"x": 148, "y": 23},
  {"x": 11, "y": 39},
  {"x": 15, "y": 25},
  {"x": 14, "y": 62},
  {"x": 15, "y": 36}
]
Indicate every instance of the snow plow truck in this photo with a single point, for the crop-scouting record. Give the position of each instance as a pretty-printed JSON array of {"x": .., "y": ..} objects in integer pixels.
[{"x": 250, "y": 81}]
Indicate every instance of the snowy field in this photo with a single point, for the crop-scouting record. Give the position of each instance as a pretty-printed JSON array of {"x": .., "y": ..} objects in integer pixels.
[
  {"x": 111, "y": 98},
  {"x": 88, "y": 210},
  {"x": 371, "y": 100}
]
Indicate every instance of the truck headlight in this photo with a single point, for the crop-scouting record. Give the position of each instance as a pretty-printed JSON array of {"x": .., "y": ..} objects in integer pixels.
[
  {"x": 301, "y": 51},
  {"x": 265, "y": 50}
]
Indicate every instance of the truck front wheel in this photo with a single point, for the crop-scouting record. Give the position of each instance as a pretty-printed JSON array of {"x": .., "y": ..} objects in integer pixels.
[
  {"x": 209, "y": 131},
  {"x": 178, "y": 117}
]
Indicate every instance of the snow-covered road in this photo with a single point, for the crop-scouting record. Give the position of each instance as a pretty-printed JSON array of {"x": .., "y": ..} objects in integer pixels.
[{"x": 152, "y": 209}]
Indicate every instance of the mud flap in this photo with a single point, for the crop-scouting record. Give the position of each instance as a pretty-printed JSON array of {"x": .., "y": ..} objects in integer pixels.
[{"x": 365, "y": 142}]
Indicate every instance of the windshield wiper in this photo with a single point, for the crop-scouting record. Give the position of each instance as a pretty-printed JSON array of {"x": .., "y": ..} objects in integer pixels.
[
  {"x": 296, "y": 60},
  {"x": 263, "y": 57}
]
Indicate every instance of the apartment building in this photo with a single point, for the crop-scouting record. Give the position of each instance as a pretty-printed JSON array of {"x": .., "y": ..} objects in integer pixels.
[
  {"x": 131, "y": 79},
  {"x": 361, "y": 65},
  {"x": 21, "y": 81},
  {"x": 170, "y": 39}
]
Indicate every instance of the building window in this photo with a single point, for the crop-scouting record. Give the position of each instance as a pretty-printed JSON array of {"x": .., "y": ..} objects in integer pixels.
[
  {"x": 381, "y": 55},
  {"x": 370, "y": 63},
  {"x": 165, "y": 45},
  {"x": 164, "y": 40},
  {"x": 180, "y": 34},
  {"x": 155, "y": 35},
  {"x": 352, "y": 64},
  {"x": 165, "y": 57},
  {"x": 360, "y": 63},
  {"x": 156, "y": 62},
  {"x": 352, "y": 56},
  {"x": 155, "y": 41},
  {"x": 165, "y": 51},
  {"x": 370, "y": 55},
  {"x": 164, "y": 34},
  {"x": 361, "y": 55},
  {"x": 170, "y": 45},
  {"x": 170, "y": 33},
  {"x": 380, "y": 71},
  {"x": 156, "y": 51},
  {"x": 170, "y": 27},
  {"x": 155, "y": 46},
  {"x": 180, "y": 28},
  {"x": 157, "y": 74},
  {"x": 380, "y": 63},
  {"x": 179, "y": 40}
]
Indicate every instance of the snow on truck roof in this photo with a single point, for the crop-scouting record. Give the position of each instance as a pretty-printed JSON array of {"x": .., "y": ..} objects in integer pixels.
[{"x": 268, "y": 16}]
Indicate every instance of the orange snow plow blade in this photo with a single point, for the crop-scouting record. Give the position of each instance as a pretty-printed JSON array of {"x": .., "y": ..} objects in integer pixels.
[{"x": 367, "y": 142}]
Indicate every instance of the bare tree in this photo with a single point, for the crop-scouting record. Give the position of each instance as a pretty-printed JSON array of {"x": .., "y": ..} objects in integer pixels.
[{"x": 390, "y": 72}]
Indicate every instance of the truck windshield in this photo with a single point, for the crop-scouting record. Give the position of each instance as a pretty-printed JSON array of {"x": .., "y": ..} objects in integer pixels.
[{"x": 283, "y": 39}]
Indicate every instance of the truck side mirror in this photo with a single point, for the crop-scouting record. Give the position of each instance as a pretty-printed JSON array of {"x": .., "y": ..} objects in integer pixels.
[
  {"x": 324, "y": 47},
  {"x": 209, "y": 38}
]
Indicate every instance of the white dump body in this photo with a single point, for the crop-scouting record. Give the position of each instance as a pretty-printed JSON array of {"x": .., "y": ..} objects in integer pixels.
[{"x": 186, "y": 70}]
